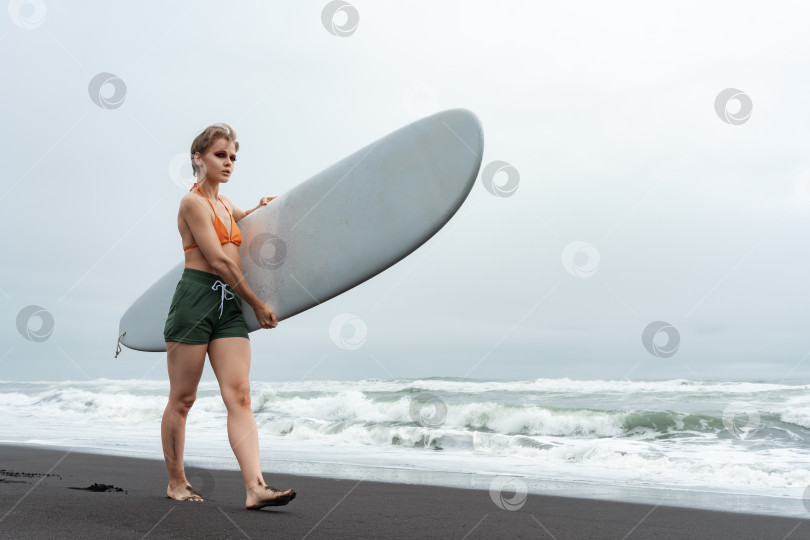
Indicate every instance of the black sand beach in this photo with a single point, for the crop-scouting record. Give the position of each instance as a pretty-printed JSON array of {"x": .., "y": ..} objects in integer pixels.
[{"x": 36, "y": 501}]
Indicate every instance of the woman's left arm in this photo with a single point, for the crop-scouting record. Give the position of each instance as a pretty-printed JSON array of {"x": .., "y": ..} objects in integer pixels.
[{"x": 239, "y": 214}]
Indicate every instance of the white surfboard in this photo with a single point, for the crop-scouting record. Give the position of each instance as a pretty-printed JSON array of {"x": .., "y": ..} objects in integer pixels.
[{"x": 342, "y": 226}]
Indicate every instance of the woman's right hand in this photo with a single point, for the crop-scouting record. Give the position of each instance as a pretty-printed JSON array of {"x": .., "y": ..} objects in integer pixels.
[{"x": 266, "y": 316}]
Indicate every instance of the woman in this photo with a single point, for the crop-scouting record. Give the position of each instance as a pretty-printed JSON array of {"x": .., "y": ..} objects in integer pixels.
[{"x": 207, "y": 317}]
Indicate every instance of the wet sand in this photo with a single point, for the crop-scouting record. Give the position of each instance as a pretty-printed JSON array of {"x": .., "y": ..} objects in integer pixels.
[{"x": 127, "y": 499}]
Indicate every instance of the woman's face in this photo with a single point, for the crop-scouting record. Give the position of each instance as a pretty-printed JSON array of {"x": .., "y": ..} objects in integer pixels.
[{"x": 218, "y": 161}]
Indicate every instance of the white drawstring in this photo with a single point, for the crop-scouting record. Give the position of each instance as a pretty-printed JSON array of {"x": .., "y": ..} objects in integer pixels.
[{"x": 225, "y": 293}]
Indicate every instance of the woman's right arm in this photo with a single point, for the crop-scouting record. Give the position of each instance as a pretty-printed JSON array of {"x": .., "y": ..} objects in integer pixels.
[{"x": 199, "y": 222}]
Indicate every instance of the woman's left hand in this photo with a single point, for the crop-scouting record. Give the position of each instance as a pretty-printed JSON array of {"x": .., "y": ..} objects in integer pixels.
[{"x": 265, "y": 200}]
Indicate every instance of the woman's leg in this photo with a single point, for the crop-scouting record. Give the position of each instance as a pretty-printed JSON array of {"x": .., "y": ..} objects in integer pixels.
[
  {"x": 185, "y": 363},
  {"x": 230, "y": 358}
]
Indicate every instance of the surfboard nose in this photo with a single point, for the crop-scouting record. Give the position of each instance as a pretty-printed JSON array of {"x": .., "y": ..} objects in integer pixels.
[
  {"x": 468, "y": 130},
  {"x": 465, "y": 125}
]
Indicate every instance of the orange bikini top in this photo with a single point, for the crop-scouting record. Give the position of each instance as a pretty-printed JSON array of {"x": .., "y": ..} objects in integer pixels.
[{"x": 235, "y": 237}]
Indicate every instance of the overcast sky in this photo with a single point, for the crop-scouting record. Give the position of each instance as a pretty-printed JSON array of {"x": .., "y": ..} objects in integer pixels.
[{"x": 647, "y": 192}]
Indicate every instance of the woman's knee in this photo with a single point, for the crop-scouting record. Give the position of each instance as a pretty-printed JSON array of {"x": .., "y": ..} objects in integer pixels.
[
  {"x": 237, "y": 396},
  {"x": 182, "y": 403}
]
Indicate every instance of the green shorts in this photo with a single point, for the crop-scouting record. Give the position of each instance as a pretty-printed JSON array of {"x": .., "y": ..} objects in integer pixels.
[{"x": 203, "y": 309}]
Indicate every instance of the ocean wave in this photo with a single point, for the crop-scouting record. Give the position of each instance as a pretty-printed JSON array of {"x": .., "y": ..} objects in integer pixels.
[
  {"x": 797, "y": 416},
  {"x": 328, "y": 413},
  {"x": 480, "y": 424},
  {"x": 471, "y": 386}
]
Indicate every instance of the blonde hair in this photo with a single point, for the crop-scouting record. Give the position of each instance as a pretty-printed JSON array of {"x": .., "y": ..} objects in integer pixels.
[{"x": 204, "y": 140}]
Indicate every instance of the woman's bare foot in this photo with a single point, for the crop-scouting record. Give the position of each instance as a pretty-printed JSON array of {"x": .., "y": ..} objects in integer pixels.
[
  {"x": 183, "y": 492},
  {"x": 262, "y": 496}
]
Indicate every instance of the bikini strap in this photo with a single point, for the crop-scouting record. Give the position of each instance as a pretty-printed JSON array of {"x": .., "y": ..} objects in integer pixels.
[
  {"x": 233, "y": 223},
  {"x": 195, "y": 186},
  {"x": 226, "y": 208},
  {"x": 230, "y": 233}
]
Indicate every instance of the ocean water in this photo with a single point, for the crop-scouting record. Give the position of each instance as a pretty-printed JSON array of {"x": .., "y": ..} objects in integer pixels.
[{"x": 736, "y": 446}]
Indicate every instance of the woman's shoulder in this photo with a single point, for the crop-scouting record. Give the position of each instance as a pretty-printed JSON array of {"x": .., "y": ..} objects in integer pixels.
[
  {"x": 189, "y": 200},
  {"x": 186, "y": 198}
]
